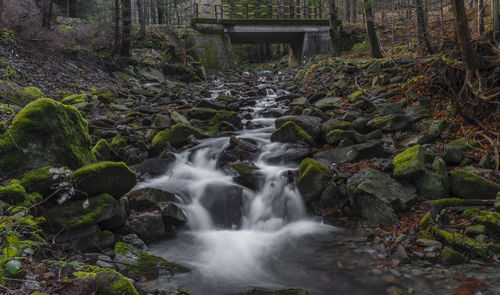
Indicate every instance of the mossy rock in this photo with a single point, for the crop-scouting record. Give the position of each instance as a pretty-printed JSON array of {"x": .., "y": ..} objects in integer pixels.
[
  {"x": 102, "y": 151},
  {"x": 226, "y": 116},
  {"x": 39, "y": 180},
  {"x": 201, "y": 113},
  {"x": 432, "y": 185},
  {"x": 409, "y": 164},
  {"x": 114, "y": 283},
  {"x": 19, "y": 95},
  {"x": 44, "y": 133},
  {"x": 451, "y": 257},
  {"x": 291, "y": 132},
  {"x": 74, "y": 99},
  {"x": 176, "y": 136},
  {"x": 333, "y": 124},
  {"x": 113, "y": 178},
  {"x": 78, "y": 214},
  {"x": 389, "y": 123},
  {"x": 462, "y": 242},
  {"x": 489, "y": 219},
  {"x": 104, "y": 95},
  {"x": 335, "y": 136},
  {"x": 425, "y": 221},
  {"x": 146, "y": 199},
  {"x": 462, "y": 144},
  {"x": 312, "y": 179},
  {"x": 149, "y": 266},
  {"x": 12, "y": 193},
  {"x": 467, "y": 185},
  {"x": 246, "y": 174},
  {"x": 119, "y": 141}
]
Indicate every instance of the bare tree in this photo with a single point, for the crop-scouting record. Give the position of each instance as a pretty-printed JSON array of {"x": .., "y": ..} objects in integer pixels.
[
  {"x": 334, "y": 31},
  {"x": 423, "y": 34},
  {"x": 347, "y": 11},
  {"x": 480, "y": 18},
  {"x": 116, "y": 16},
  {"x": 463, "y": 35},
  {"x": 496, "y": 20},
  {"x": 142, "y": 21},
  {"x": 370, "y": 28},
  {"x": 126, "y": 41},
  {"x": 354, "y": 10},
  {"x": 47, "y": 8}
]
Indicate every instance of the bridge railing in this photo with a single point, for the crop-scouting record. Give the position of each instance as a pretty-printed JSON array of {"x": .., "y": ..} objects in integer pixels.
[{"x": 249, "y": 11}]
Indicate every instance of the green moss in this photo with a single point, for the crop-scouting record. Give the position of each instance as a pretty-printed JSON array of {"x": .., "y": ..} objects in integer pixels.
[
  {"x": 104, "y": 95},
  {"x": 38, "y": 180},
  {"x": 475, "y": 230},
  {"x": 462, "y": 242},
  {"x": 13, "y": 193},
  {"x": 114, "y": 283},
  {"x": 119, "y": 142},
  {"x": 425, "y": 221},
  {"x": 122, "y": 248},
  {"x": 65, "y": 28},
  {"x": 176, "y": 136},
  {"x": 221, "y": 116},
  {"x": 335, "y": 136},
  {"x": 489, "y": 219},
  {"x": 355, "y": 96},
  {"x": 154, "y": 263},
  {"x": 114, "y": 178},
  {"x": 226, "y": 98},
  {"x": 462, "y": 144},
  {"x": 291, "y": 132},
  {"x": 74, "y": 99},
  {"x": 45, "y": 133},
  {"x": 410, "y": 163},
  {"x": 102, "y": 151},
  {"x": 467, "y": 185},
  {"x": 74, "y": 214},
  {"x": 449, "y": 202},
  {"x": 425, "y": 235},
  {"x": 124, "y": 286},
  {"x": 19, "y": 95},
  {"x": 451, "y": 257}
]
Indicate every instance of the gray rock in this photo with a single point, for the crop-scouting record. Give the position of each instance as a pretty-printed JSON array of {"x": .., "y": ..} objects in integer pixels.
[
  {"x": 148, "y": 226},
  {"x": 134, "y": 240},
  {"x": 389, "y": 108},
  {"x": 429, "y": 243},
  {"x": 310, "y": 124}
]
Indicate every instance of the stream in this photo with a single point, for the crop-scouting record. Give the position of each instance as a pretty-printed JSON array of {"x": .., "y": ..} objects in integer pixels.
[{"x": 240, "y": 239}]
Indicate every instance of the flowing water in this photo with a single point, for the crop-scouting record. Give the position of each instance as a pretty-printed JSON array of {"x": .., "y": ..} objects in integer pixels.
[{"x": 270, "y": 241}]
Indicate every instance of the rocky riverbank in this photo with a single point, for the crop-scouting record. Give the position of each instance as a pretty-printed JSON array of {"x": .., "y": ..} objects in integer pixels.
[{"x": 377, "y": 152}]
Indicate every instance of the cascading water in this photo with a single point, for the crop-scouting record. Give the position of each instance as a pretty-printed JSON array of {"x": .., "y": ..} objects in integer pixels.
[{"x": 240, "y": 239}]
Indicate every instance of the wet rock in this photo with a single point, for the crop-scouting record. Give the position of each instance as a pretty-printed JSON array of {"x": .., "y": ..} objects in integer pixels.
[
  {"x": 172, "y": 214},
  {"x": 451, "y": 257},
  {"x": 467, "y": 185},
  {"x": 335, "y": 136},
  {"x": 410, "y": 163},
  {"x": 239, "y": 149},
  {"x": 134, "y": 240},
  {"x": 246, "y": 174},
  {"x": 146, "y": 199},
  {"x": 155, "y": 166},
  {"x": 452, "y": 156},
  {"x": 376, "y": 196},
  {"x": 289, "y": 154},
  {"x": 330, "y": 196},
  {"x": 390, "y": 123},
  {"x": 291, "y": 132},
  {"x": 224, "y": 203},
  {"x": 112, "y": 282},
  {"x": 148, "y": 226},
  {"x": 312, "y": 179},
  {"x": 176, "y": 136},
  {"x": 310, "y": 124}
]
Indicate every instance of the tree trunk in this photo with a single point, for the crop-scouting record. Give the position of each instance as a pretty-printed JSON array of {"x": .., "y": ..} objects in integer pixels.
[
  {"x": 423, "y": 35},
  {"x": 126, "y": 42},
  {"x": 334, "y": 31},
  {"x": 142, "y": 21},
  {"x": 1, "y": 11},
  {"x": 116, "y": 39},
  {"x": 480, "y": 18},
  {"x": 47, "y": 12},
  {"x": 354, "y": 10},
  {"x": 496, "y": 20},
  {"x": 347, "y": 11},
  {"x": 370, "y": 28},
  {"x": 160, "y": 7},
  {"x": 463, "y": 35}
]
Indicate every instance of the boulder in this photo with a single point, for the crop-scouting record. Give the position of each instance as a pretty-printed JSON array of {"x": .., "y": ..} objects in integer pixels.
[
  {"x": 310, "y": 124},
  {"x": 239, "y": 149},
  {"x": 376, "y": 196},
  {"x": 409, "y": 164},
  {"x": 201, "y": 113},
  {"x": 246, "y": 174},
  {"x": 226, "y": 116},
  {"x": 451, "y": 257},
  {"x": 177, "y": 136},
  {"x": 102, "y": 151},
  {"x": 291, "y": 132},
  {"x": 390, "y": 123},
  {"x": 146, "y": 199},
  {"x": 312, "y": 179},
  {"x": 74, "y": 99},
  {"x": 333, "y": 124},
  {"x": 45, "y": 133},
  {"x": 40, "y": 180},
  {"x": 113, "y": 283},
  {"x": 113, "y": 178},
  {"x": 467, "y": 185},
  {"x": 12, "y": 193},
  {"x": 224, "y": 203},
  {"x": 155, "y": 166},
  {"x": 335, "y": 136},
  {"x": 19, "y": 95},
  {"x": 148, "y": 226},
  {"x": 368, "y": 150}
]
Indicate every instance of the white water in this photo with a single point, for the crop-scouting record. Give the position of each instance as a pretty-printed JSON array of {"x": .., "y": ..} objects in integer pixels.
[{"x": 273, "y": 220}]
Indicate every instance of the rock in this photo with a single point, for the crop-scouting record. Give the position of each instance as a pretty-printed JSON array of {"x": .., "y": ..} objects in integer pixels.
[
  {"x": 376, "y": 196},
  {"x": 104, "y": 95},
  {"x": 78, "y": 214},
  {"x": 451, "y": 257},
  {"x": 489, "y": 219},
  {"x": 239, "y": 149},
  {"x": 452, "y": 156},
  {"x": 467, "y": 185},
  {"x": 389, "y": 108},
  {"x": 356, "y": 152},
  {"x": 228, "y": 117},
  {"x": 417, "y": 112},
  {"x": 360, "y": 124},
  {"x": 335, "y": 136},
  {"x": 333, "y": 124},
  {"x": 300, "y": 101},
  {"x": 374, "y": 68},
  {"x": 148, "y": 226},
  {"x": 401, "y": 255},
  {"x": 102, "y": 151},
  {"x": 436, "y": 127},
  {"x": 330, "y": 196},
  {"x": 172, "y": 214},
  {"x": 201, "y": 113},
  {"x": 312, "y": 179},
  {"x": 475, "y": 230},
  {"x": 224, "y": 203},
  {"x": 54, "y": 134},
  {"x": 178, "y": 118},
  {"x": 432, "y": 185},
  {"x": 146, "y": 199},
  {"x": 12, "y": 193},
  {"x": 390, "y": 123},
  {"x": 176, "y": 136},
  {"x": 291, "y": 154},
  {"x": 461, "y": 144},
  {"x": 429, "y": 243},
  {"x": 114, "y": 178},
  {"x": 113, "y": 283},
  {"x": 246, "y": 174},
  {"x": 74, "y": 99},
  {"x": 40, "y": 180},
  {"x": 17, "y": 94},
  {"x": 155, "y": 166},
  {"x": 417, "y": 139},
  {"x": 409, "y": 164},
  {"x": 310, "y": 124},
  {"x": 328, "y": 103},
  {"x": 291, "y": 132},
  {"x": 135, "y": 241},
  {"x": 497, "y": 202}
]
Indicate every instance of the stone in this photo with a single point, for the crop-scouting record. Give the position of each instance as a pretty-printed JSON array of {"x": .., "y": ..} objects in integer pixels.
[
  {"x": 436, "y": 127},
  {"x": 291, "y": 132},
  {"x": 114, "y": 178},
  {"x": 333, "y": 124},
  {"x": 390, "y": 123},
  {"x": 224, "y": 203},
  {"x": 376, "y": 196},
  {"x": 389, "y": 108},
  {"x": 309, "y": 124},
  {"x": 40, "y": 180},
  {"x": 496, "y": 204},
  {"x": 19, "y": 95},
  {"x": 359, "y": 124},
  {"x": 74, "y": 99},
  {"x": 417, "y": 112},
  {"x": 172, "y": 214},
  {"x": 328, "y": 102},
  {"x": 335, "y": 136},
  {"x": 102, "y": 151},
  {"x": 155, "y": 166},
  {"x": 246, "y": 174},
  {"x": 228, "y": 117},
  {"x": 176, "y": 136},
  {"x": 409, "y": 164},
  {"x": 368, "y": 150},
  {"x": 146, "y": 199},
  {"x": 312, "y": 179},
  {"x": 201, "y": 113},
  {"x": 54, "y": 134},
  {"x": 452, "y": 156},
  {"x": 330, "y": 196},
  {"x": 13, "y": 192},
  {"x": 148, "y": 226},
  {"x": 113, "y": 283},
  {"x": 461, "y": 144},
  {"x": 178, "y": 118},
  {"x": 467, "y": 185},
  {"x": 429, "y": 243},
  {"x": 451, "y": 257},
  {"x": 432, "y": 185},
  {"x": 300, "y": 101}
]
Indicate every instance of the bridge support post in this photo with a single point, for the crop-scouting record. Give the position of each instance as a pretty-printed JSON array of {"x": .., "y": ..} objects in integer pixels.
[{"x": 296, "y": 51}]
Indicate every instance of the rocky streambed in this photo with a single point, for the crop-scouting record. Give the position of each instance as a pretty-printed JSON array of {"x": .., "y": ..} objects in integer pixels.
[{"x": 255, "y": 182}]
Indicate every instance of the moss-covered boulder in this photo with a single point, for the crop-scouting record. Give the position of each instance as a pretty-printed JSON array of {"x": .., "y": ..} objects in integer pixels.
[
  {"x": 489, "y": 219},
  {"x": 451, "y": 257},
  {"x": 312, "y": 179},
  {"x": 201, "y": 113},
  {"x": 39, "y": 180},
  {"x": 467, "y": 185},
  {"x": 17, "y": 94},
  {"x": 78, "y": 214},
  {"x": 389, "y": 123},
  {"x": 224, "y": 116},
  {"x": 102, "y": 151},
  {"x": 44, "y": 133},
  {"x": 310, "y": 124},
  {"x": 409, "y": 164},
  {"x": 291, "y": 132},
  {"x": 113, "y": 178},
  {"x": 12, "y": 193},
  {"x": 114, "y": 283},
  {"x": 335, "y": 136},
  {"x": 176, "y": 136},
  {"x": 104, "y": 95},
  {"x": 74, "y": 99},
  {"x": 462, "y": 242},
  {"x": 148, "y": 265},
  {"x": 333, "y": 124},
  {"x": 246, "y": 174},
  {"x": 146, "y": 199}
]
